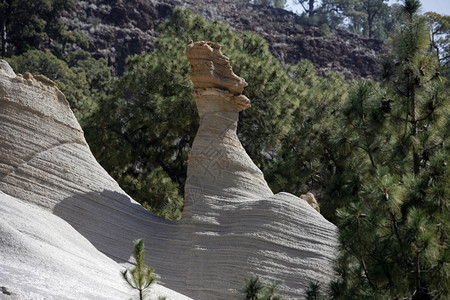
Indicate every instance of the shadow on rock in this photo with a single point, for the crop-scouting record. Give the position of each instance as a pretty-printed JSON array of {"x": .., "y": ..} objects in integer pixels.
[{"x": 111, "y": 221}]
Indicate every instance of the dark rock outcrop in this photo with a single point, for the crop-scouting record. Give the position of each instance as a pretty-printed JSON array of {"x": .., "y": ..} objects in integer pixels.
[{"x": 118, "y": 28}]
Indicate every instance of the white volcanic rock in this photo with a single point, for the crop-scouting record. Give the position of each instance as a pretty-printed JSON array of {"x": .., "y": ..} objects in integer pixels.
[
  {"x": 219, "y": 168},
  {"x": 43, "y": 257},
  {"x": 45, "y": 162},
  {"x": 280, "y": 236},
  {"x": 232, "y": 225}
]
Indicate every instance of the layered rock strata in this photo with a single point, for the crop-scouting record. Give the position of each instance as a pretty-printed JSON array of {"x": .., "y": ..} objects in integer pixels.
[
  {"x": 227, "y": 199},
  {"x": 218, "y": 166},
  {"x": 232, "y": 226},
  {"x": 43, "y": 257},
  {"x": 65, "y": 224}
]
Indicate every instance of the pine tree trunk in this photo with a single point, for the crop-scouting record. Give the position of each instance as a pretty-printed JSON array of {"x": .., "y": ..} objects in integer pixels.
[
  {"x": 361, "y": 257},
  {"x": 3, "y": 32},
  {"x": 417, "y": 272},
  {"x": 370, "y": 25},
  {"x": 416, "y": 157},
  {"x": 366, "y": 134},
  {"x": 311, "y": 8}
]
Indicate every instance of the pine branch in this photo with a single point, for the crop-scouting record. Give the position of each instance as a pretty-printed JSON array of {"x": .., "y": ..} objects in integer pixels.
[{"x": 361, "y": 258}]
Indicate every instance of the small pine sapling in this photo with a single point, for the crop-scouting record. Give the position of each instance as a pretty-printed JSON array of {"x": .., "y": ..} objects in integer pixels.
[
  {"x": 140, "y": 277},
  {"x": 254, "y": 289},
  {"x": 270, "y": 291},
  {"x": 314, "y": 291}
]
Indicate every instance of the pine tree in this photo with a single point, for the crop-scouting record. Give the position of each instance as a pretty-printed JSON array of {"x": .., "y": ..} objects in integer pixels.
[
  {"x": 141, "y": 276},
  {"x": 394, "y": 233},
  {"x": 440, "y": 39},
  {"x": 252, "y": 288},
  {"x": 27, "y": 25},
  {"x": 314, "y": 292},
  {"x": 309, "y": 156},
  {"x": 310, "y": 9},
  {"x": 372, "y": 18}
]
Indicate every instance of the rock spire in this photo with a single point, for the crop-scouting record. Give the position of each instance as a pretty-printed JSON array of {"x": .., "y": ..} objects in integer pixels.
[
  {"x": 53, "y": 193},
  {"x": 218, "y": 165}
]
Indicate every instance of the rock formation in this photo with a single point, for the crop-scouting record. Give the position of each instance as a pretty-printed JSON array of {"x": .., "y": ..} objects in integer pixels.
[
  {"x": 227, "y": 198},
  {"x": 58, "y": 207},
  {"x": 219, "y": 167},
  {"x": 309, "y": 197},
  {"x": 69, "y": 225}
]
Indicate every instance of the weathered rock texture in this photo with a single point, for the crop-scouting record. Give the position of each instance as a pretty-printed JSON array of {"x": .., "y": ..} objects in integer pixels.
[
  {"x": 309, "y": 197},
  {"x": 43, "y": 257},
  {"x": 52, "y": 181},
  {"x": 232, "y": 225},
  {"x": 219, "y": 168},
  {"x": 228, "y": 200},
  {"x": 133, "y": 24}
]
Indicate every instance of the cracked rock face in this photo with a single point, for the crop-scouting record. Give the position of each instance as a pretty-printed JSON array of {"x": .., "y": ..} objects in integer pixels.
[
  {"x": 57, "y": 202},
  {"x": 133, "y": 24}
]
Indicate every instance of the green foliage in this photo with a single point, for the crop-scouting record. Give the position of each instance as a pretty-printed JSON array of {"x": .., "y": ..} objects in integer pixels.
[
  {"x": 314, "y": 292},
  {"x": 254, "y": 289},
  {"x": 411, "y": 7},
  {"x": 82, "y": 79},
  {"x": 365, "y": 15},
  {"x": 279, "y": 3},
  {"x": 440, "y": 39},
  {"x": 372, "y": 18},
  {"x": 326, "y": 33},
  {"x": 269, "y": 292},
  {"x": 141, "y": 276},
  {"x": 308, "y": 158},
  {"x": 30, "y": 29},
  {"x": 36, "y": 24},
  {"x": 393, "y": 226}
]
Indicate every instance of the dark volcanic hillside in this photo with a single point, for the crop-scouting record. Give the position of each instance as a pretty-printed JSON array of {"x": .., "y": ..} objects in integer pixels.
[{"x": 118, "y": 28}]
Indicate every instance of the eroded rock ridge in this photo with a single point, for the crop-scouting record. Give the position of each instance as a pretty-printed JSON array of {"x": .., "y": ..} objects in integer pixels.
[{"x": 232, "y": 226}]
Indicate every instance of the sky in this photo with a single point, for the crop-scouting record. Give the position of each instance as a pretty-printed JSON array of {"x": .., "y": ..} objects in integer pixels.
[{"x": 440, "y": 6}]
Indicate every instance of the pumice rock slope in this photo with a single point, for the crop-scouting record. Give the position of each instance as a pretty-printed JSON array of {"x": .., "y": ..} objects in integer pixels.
[
  {"x": 57, "y": 203},
  {"x": 66, "y": 222}
]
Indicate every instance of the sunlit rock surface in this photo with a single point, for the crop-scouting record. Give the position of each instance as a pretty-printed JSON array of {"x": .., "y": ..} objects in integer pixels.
[
  {"x": 63, "y": 218},
  {"x": 66, "y": 227}
]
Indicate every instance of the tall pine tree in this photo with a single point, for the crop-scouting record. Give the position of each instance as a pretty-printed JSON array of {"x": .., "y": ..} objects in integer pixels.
[{"x": 394, "y": 233}]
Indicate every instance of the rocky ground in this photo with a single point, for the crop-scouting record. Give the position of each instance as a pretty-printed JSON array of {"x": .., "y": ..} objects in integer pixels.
[{"x": 118, "y": 28}]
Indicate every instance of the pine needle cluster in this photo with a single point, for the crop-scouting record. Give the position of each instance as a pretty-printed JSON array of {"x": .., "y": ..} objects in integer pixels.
[
  {"x": 255, "y": 289},
  {"x": 394, "y": 228}
]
